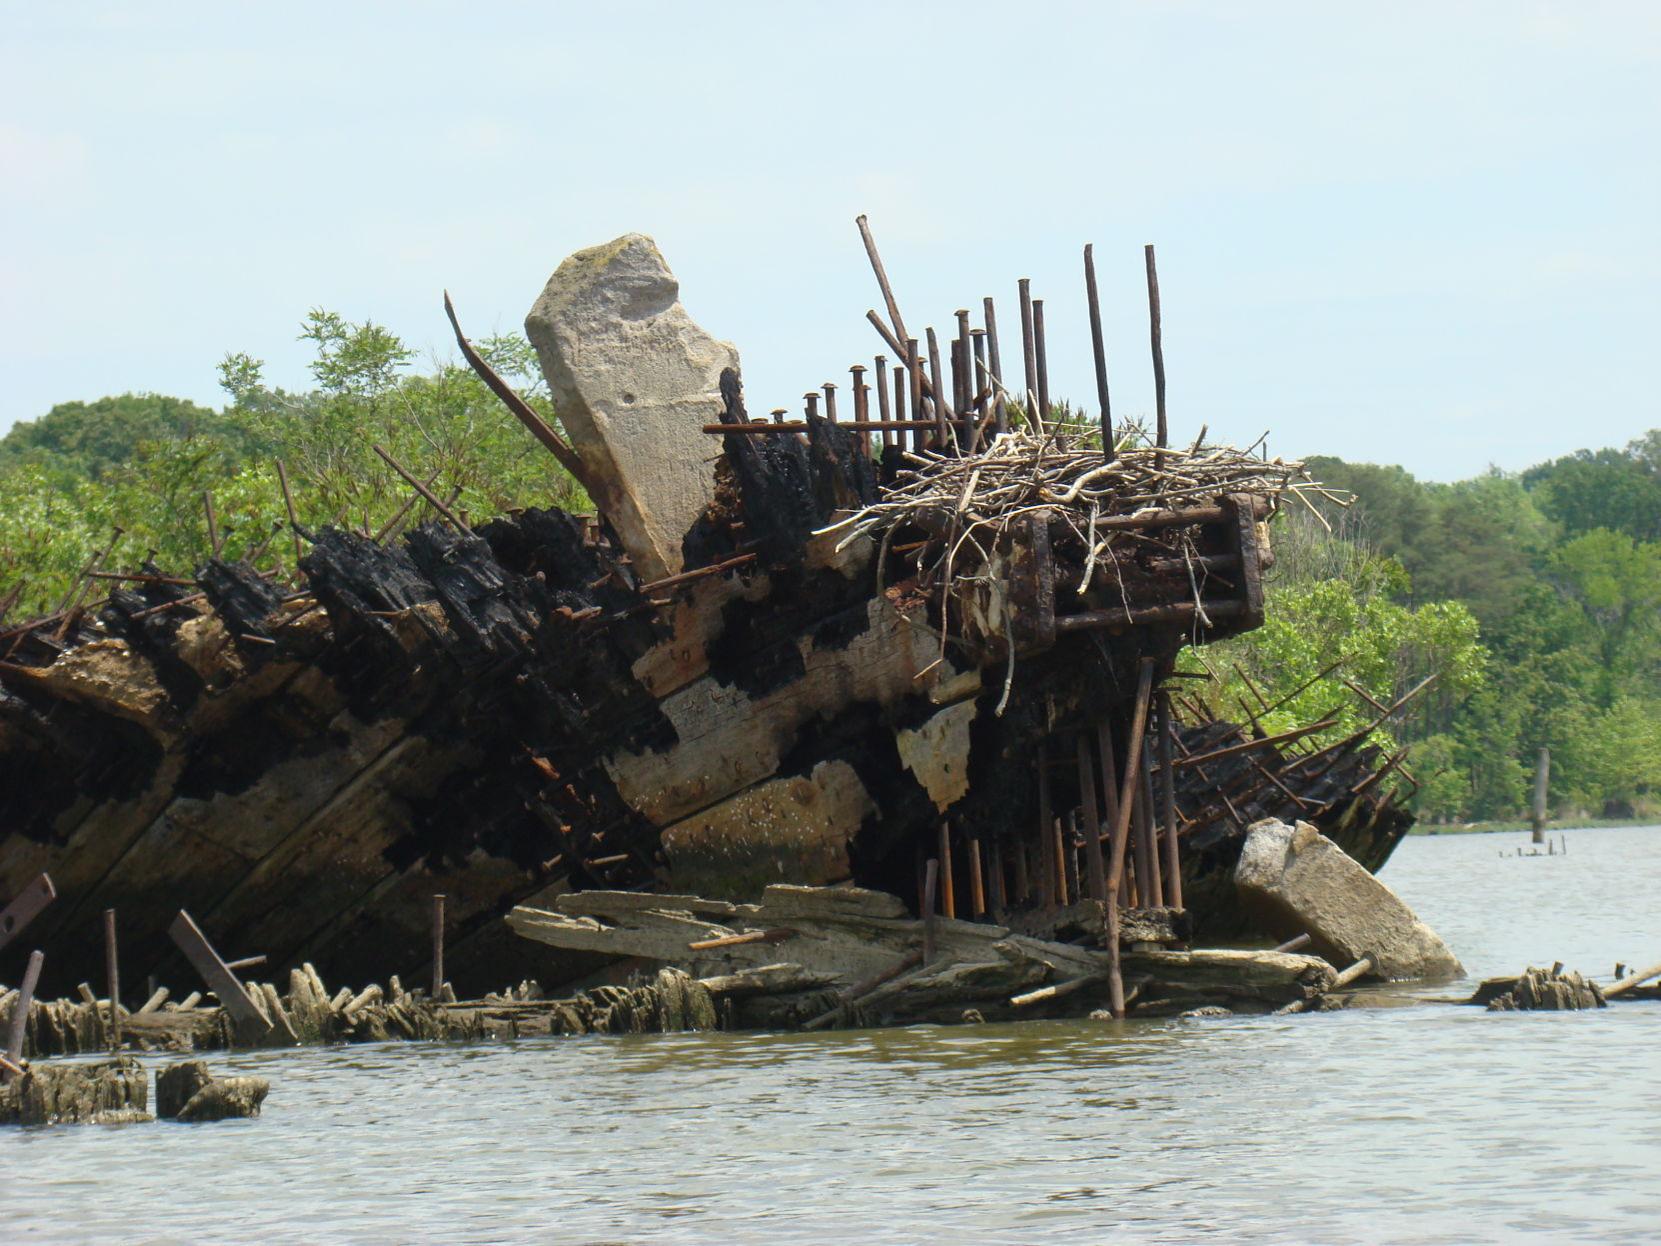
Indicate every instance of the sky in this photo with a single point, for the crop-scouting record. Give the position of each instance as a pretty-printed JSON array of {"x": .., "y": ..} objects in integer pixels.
[{"x": 1412, "y": 233}]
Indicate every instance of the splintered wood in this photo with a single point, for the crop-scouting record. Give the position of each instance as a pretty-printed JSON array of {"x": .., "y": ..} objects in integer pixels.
[{"x": 864, "y": 949}]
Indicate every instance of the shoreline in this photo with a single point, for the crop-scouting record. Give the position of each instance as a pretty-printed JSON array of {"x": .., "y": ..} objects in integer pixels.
[{"x": 1523, "y": 824}]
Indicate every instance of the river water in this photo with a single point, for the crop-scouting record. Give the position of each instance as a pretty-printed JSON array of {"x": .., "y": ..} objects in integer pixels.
[{"x": 1425, "y": 1124}]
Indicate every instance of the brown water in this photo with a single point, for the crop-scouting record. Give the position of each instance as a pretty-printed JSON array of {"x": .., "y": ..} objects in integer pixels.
[{"x": 1429, "y": 1124}]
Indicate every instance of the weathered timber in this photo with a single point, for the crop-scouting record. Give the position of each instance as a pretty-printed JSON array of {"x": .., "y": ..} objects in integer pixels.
[{"x": 774, "y": 658}]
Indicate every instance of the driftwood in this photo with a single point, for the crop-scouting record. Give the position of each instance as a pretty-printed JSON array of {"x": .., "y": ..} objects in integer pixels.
[{"x": 856, "y": 941}]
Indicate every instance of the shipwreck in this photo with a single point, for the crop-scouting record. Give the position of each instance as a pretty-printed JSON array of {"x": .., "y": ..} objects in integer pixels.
[{"x": 915, "y": 647}]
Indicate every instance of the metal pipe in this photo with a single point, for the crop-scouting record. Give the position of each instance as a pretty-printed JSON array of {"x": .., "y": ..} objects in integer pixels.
[
  {"x": 884, "y": 412},
  {"x": 1001, "y": 417},
  {"x": 1100, "y": 352},
  {"x": 914, "y": 374},
  {"x": 948, "y": 900},
  {"x": 1155, "y": 337},
  {"x": 941, "y": 411},
  {"x": 1029, "y": 396},
  {"x": 983, "y": 387},
  {"x": 1042, "y": 357}
]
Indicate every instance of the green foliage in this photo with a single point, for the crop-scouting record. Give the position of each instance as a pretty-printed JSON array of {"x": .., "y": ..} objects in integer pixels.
[
  {"x": 89, "y": 438},
  {"x": 1335, "y": 625},
  {"x": 143, "y": 463},
  {"x": 1562, "y": 567}
]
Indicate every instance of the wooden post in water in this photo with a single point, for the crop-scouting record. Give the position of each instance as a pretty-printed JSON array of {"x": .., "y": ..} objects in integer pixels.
[
  {"x": 113, "y": 968},
  {"x": 438, "y": 945},
  {"x": 20, "y": 1008},
  {"x": 1542, "y": 775}
]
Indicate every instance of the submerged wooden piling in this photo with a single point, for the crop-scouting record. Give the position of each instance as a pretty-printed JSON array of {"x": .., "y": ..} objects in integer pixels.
[
  {"x": 438, "y": 945},
  {"x": 113, "y": 969},
  {"x": 20, "y": 1008},
  {"x": 1542, "y": 776}
]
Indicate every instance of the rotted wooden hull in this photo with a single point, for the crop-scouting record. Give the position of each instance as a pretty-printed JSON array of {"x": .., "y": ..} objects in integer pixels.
[{"x": 505, "y": 714}]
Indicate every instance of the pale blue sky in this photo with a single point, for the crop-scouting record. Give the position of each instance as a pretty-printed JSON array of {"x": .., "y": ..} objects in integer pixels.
[{"x": 1418, "y": 233}]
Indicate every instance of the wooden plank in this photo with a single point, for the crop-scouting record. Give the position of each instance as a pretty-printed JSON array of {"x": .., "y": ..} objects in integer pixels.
[
  {"x": 24, "y": 908},
  {"x": 1251, "y": 570},
  {"x": 219, "y": 978},
  {"x": 21, "y": 1004}
]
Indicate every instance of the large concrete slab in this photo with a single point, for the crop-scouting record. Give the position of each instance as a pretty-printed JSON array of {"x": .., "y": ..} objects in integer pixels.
[
  {"x": 1295, "y": 880},
  {"x": 633, "y": 380}
]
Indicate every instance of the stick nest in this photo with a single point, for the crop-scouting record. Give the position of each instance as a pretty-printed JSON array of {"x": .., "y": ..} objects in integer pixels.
[{"x": 963, "y": 505}]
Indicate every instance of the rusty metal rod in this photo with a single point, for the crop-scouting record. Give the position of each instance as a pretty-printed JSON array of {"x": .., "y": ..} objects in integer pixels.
[
  {"x": 1133, "y": 758},
  {"x": 797, "y": 426},
  {"x": 1001, "y": 418},
  {"x": 1157, "y": 341},
  {"x": 902, "y": 386},
  {"x": 900, "y": 350},
  {"x": 1029, "y": 398},
  {"x": 881, "y": 275},
  {"x": 1099, "y": 349},
  {"x": 1285, "y": 737},
  {"x": 432, "y": 499},
  {"x": 387, "y": 528},
  {"x": 1041, "y": 357},
  {"x": 914, "y": 373},
  {"x": 518, "y": 407},
  {"x": 942, "y": 408},
  {"x": 1177, "y": 612},
  {"x": 948, "y": 898},
  {"x": 985, "y": 391},
  {"x": 885, "y": 414}
]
